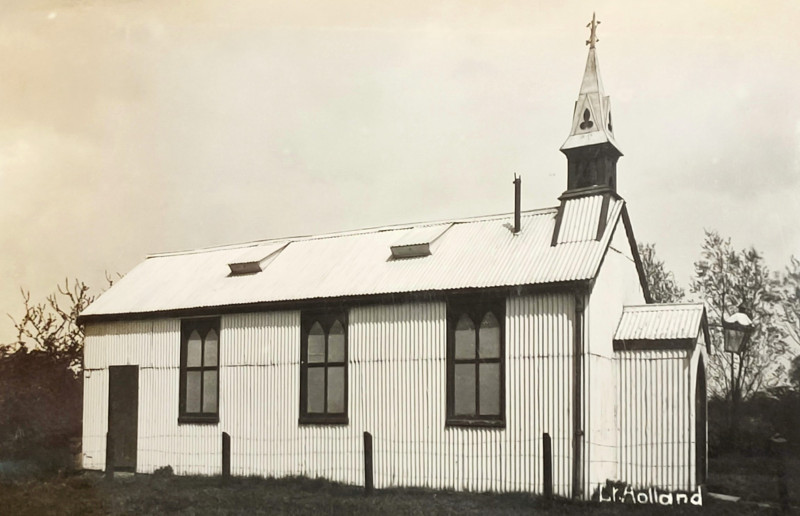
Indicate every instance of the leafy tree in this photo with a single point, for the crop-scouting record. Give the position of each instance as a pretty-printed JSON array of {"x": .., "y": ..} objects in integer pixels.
[
  {"x": 791, "y": 309},
  {"x": 662, "y": 284},
  {"x": 791, "y": 290},
  {"x": 727, "y": 279},
  {"x": 794, "y": 373}
]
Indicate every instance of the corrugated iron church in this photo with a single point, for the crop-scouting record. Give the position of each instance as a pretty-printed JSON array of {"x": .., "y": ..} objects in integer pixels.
[{"x": 457, "y": 345}]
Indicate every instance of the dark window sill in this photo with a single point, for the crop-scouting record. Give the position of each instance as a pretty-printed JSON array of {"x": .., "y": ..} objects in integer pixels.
[
  {"x": 198, "y": 419},
  {"x": 475, "y": 423},
  {"x": 324, "y": 419}
]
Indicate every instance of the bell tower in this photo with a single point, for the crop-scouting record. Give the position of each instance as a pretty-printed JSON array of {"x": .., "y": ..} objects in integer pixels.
[{"x": 591, "y": 150}]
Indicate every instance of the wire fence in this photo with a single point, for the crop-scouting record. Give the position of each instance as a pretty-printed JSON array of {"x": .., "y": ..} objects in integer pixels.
[{"x": 454, "y": 462}]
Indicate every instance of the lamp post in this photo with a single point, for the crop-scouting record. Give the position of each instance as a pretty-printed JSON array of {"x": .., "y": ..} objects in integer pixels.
[{"x": 736, "y": 331}]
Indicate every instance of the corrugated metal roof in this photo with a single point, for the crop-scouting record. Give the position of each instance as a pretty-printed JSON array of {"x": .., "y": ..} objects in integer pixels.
[
  {"x": 581, "y": 219},
  {"x": 660, "y": 322},
  {"x": 418, "y": 241},
  {"x": 473, "y": 253},
  {"x": 258, "y": 252},
  {"x": 421, "y": 235},
  {"x": 255, "y": 258}
]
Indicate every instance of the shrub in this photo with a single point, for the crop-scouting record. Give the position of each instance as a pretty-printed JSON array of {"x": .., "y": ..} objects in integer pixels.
[
  {"x": 41, "y": 405},
  {"x": 759, "y": 418},
  {"x": 163, "y": 471}
]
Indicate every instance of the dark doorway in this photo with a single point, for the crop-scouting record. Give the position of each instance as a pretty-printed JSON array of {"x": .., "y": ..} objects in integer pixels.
[
  {"x": 701, "y": 416},
  {"x": 123, "y": 414}
]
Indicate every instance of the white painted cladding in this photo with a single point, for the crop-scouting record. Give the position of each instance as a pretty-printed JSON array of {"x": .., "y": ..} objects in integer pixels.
[
  {"x": 657, "y": 442},
  {"x": 155, "y": 347},
  {"x": 397, "y": 375},
  {"x": 617, "y": 284}
]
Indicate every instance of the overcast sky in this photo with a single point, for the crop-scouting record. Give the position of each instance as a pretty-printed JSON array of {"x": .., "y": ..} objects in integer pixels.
[{"x": 134, "y": 127}]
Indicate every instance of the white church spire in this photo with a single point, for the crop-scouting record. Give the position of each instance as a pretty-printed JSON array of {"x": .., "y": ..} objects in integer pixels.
[
  {"x": 592, "y": 83},
  {"x": 592, "y": 131}
]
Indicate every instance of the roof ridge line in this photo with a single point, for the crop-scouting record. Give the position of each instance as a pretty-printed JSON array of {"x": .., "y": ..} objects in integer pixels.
[{"x": 373, "y": 229}]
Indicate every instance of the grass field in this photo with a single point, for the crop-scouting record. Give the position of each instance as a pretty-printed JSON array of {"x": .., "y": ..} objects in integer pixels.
[
  {"x": 753, "y": 478},
  {"x": 90, "y": 494}
]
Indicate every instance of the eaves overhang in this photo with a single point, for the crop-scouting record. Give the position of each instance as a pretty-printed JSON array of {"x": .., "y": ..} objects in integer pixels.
[
  {"x": 653, "y": 345},
  {"x": 573, "y": 286}
]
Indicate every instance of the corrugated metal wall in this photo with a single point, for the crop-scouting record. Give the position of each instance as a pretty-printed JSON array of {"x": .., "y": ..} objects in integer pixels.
[
  {"x": 656, "y": 413},
  {"x": 397, "y": 391},
  {"x": 155, "y": 347},
  {"x": 540, "y": 337},
  {"x": 617, "y": 285},
  {"x": 95, "y": 415},
  {"x": 259, "y": 404}
]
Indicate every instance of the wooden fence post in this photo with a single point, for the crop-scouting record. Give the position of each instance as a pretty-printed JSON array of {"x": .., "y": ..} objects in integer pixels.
[
  {"x": 368, "y": 487},
  {"x": 547, "y": 474},
  {"x": 109, "y": 456},
  {"x": 226, "y": 456}
]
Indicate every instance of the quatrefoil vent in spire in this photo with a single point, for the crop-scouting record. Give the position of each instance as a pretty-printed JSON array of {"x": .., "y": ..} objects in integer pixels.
[{"x": 587, "y": 123}]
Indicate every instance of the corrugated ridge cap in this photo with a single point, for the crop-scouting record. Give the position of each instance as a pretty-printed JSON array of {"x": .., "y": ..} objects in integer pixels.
[{"x": 353, "y": 232}]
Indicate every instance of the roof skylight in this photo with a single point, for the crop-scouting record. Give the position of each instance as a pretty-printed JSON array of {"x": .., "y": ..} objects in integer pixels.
[
  {"x": 417, "y": 242},
  {"x": 254, "y": 259}
]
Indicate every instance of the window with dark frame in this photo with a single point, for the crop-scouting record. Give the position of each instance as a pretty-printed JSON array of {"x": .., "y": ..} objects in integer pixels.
[
  {"x": 199, "y": 377},
  {"x": 476, "y": 363},
  {"x": 323, "y": 368}
]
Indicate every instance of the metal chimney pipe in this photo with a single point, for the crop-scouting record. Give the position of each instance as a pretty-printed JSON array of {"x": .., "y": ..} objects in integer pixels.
[{"x": 517, "y": 194}]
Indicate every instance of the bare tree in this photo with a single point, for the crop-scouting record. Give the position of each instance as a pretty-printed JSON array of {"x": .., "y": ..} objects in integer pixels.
[
  {"x": 51, "y": 326},
  {"x": 40, "y": 374}
]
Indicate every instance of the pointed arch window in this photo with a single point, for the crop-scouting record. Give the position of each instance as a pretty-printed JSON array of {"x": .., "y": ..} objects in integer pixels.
[
  {"x": 199, "y": 371},
  {"x": 323, "y": 368},
  {"x": 475, "y": 364}
]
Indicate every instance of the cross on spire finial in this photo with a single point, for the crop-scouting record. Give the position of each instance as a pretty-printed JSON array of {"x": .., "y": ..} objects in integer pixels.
[{"x": 593, "y": 35}]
